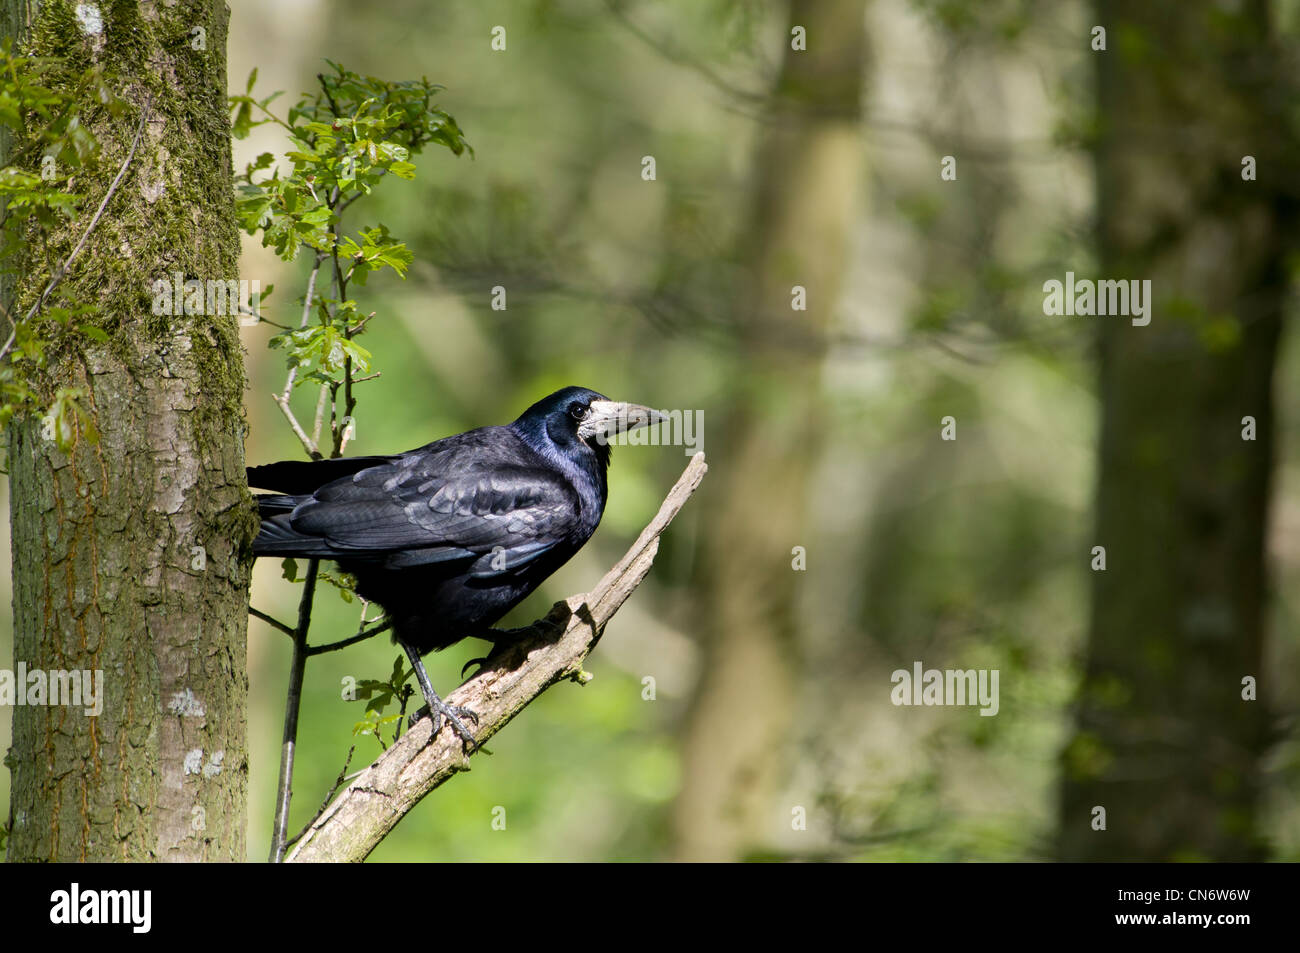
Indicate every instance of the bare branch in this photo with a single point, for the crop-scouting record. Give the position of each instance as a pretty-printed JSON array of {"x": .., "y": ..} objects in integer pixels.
[
  {"x": 383, "y": 793},
  {"x": 306, "y": 306},
  {"x": 298, "y": 432},
  {"x": 282, "y": 399}
]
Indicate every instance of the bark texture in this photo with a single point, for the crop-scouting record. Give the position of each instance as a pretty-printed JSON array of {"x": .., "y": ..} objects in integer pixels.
[{"x": 131, "y": 554}]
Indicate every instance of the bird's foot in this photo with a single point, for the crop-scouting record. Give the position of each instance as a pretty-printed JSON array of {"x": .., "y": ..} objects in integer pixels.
[
  {"x": 438, "y": 709},
  {"x": 481, "y": 662},
  {"x": 452, "y": 714},
  {"x": 502, "y": 639},
  {"x": 547, "y": 625}
]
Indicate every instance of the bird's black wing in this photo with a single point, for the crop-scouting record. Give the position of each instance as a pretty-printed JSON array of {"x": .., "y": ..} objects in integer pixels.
[
  {"x": 409, "y": 513},
  {"x": 301, "y": 477}
]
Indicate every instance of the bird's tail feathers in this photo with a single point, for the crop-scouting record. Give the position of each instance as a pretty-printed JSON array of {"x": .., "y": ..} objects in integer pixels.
[
  {"x": 277, "y": 537},
  {"x": 272, "y": 504}
]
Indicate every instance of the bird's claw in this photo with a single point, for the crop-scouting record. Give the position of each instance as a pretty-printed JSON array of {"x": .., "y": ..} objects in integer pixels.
[
  {"x": 452, "y": 714},
  {"x": 546, "y": 625},
  {"x": 502, "y": 638}
]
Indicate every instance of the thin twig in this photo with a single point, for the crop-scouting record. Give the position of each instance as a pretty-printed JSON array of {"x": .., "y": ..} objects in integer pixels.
[
  {"x": 405, "y": 697},
  {"x": 351, "y": 640},
  {"x": 282, "y": 399},
  {"x": 321, "y": 401},
  {"x": 293, "y": 702},
  {"x": 338, "y": 783},
  {"x": 262, "y": 319},
  {"x": 357, "y": 328},
  {"x": 679, "y": 58},
  {"x": 337, "y": 437},
  {"x": 306, "y": 304},
  {"x": 273, "y": 622},
  {"x": 76, "y": 250},
  {"x": 276, "y": 119},
  {"x": 297, "y": 428},
  {"x": 301, "y": 651}
]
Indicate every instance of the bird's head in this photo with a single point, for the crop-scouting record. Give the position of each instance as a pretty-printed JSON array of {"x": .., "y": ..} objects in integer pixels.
[{"x": 579, "y": 421}]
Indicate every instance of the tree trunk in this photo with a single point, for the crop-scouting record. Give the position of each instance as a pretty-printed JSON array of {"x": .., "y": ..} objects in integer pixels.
[
  {"x": 808, "y": 172},
  {"x": 1165, "y": 742},
  {"x": 131, "y": 554}
]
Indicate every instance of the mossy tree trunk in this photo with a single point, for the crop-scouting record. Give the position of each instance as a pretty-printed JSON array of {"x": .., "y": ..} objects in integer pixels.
[
  {"x": 131, "y": 553},
  {"x": 744, "y": 717},
  {"x": 1165, "y": 741}
]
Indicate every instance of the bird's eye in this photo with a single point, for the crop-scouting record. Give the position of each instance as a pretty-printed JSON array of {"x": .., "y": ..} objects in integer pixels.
[{"x": 577, "y": 410}]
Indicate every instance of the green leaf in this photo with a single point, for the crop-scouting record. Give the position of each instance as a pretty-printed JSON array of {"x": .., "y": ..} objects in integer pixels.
[{"x": 241, "y": 124}]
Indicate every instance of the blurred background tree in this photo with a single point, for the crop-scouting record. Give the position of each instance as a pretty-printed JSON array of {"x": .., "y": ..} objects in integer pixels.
[
  {"x": 822, "y": 168},
  {"x": 1192, "y": 192}
]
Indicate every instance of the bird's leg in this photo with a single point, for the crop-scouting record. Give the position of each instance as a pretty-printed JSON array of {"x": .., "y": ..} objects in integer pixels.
[{"x": 437, "y": 708}]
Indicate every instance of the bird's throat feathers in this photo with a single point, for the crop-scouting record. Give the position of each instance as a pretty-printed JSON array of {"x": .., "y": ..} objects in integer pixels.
[{"x": 590, "y": 460}]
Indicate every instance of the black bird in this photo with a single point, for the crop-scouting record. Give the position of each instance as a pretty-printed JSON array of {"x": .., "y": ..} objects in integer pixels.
[{"x": 449, "y": 537}]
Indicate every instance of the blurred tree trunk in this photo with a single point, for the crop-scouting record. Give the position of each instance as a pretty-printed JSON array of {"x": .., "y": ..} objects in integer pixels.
[
  {"x": 131, "y": 553},
  {"x": 807, "y": 174},
  {"x": 1164, "y": 740}
]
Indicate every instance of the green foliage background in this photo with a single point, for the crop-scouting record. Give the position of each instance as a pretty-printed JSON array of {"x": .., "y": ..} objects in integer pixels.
[{"x": 970, "y": 556}]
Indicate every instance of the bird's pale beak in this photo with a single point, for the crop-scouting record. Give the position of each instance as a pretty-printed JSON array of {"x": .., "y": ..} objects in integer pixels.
[{"x": 607, "y": 419}]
